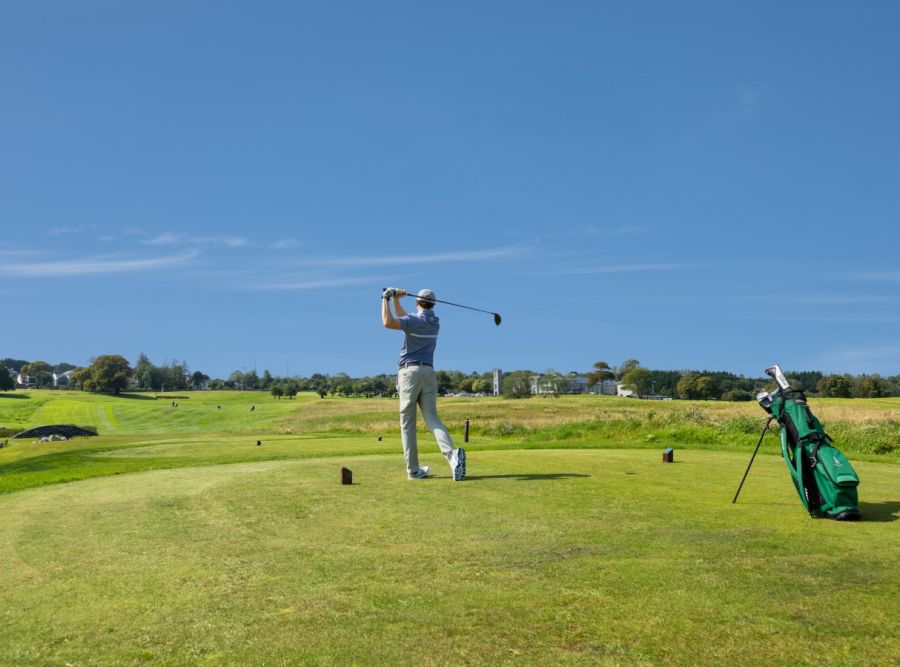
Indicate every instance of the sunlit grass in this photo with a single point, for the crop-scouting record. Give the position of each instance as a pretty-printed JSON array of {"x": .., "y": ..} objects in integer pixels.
[{"x": 541, "y": 557}]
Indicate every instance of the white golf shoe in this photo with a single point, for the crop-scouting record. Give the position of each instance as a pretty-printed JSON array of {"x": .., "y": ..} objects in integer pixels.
[
  {"x": 458, "y": 464},
  {"x": 421, "y": 473}
]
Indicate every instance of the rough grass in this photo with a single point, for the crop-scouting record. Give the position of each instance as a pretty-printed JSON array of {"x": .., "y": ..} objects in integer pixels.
[{"x": 862, "y": 427}]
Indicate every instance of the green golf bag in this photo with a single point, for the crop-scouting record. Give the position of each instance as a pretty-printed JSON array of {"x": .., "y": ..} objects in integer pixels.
[{"x": 822, "y": 475}]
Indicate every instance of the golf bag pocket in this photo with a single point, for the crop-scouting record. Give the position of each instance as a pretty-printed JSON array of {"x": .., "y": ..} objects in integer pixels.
[{"x": 835, "y": 466}]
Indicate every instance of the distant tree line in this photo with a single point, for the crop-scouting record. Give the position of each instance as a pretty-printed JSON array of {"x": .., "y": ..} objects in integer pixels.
[
  {"x": 113, "y": 373},
  {"x": 704, "y": 384}
]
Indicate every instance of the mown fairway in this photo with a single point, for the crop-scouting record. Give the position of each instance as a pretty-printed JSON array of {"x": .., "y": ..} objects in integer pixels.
[{"x": 176, "y": 543}]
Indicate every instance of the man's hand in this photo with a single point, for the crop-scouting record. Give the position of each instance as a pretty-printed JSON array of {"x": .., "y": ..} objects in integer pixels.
[{"x": 387, "y": 293}]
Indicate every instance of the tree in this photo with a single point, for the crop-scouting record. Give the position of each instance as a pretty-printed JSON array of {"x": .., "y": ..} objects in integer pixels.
[
  {"x": 871, "y": 386},
  {"x": 665, "y": 383},
  {"x": 277, "y": 391},
  {"x": 834, "y": 386},
  {"x": 482, "y": 386},
  {"x": 638, "y": 379},
  {"x": 175, "y": 376},
  {"x": 251, "y": 380},
  {"x": 517, "y": 384},
  {"x": 266, "y": 380},
  {"x": 804, "y": 380},
  {"x": 602, "y": 371},
  {"x": 627, "y": 366},
  {"x": 694, "y": 386},
  {"x": 13, "y": 365},
  {"x": 81, "y": 377},
  {"x": 41, "y": 371},
  {"x": 553, "y": 382},
  {"x": 706, "y": 387},
  {"x": 444, "y": 382},
  {"x": 467, "y": 384},
  {"x": 291, "y": 387},
  {"x": 110, "y": 372},
  {"x": 737, "y": 395},
  {"x": 146, "y": 375},
  {"x": 6, "y": 380},
  {"x": 198, "y": 379}
]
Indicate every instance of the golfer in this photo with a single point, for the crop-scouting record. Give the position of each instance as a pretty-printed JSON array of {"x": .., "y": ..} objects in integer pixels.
[{"x": 416, "y": 381}]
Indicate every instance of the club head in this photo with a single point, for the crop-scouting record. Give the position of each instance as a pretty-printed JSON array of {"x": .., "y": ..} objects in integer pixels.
[
  {"x": 497, "y": 319},
  {"x": 775, "y": 373}
]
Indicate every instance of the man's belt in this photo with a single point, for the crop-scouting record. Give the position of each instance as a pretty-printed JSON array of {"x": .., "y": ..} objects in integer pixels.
[{"x": 415, "y": 363}]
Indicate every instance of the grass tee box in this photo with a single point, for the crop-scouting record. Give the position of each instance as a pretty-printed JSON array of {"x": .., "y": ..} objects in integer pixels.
[{"x": 555, "y": 556}]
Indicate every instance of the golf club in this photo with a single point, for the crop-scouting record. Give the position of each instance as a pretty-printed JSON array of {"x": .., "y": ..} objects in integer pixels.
[
  {"x": 497, "y": 318},
  {"x": 775, "y": 373}
]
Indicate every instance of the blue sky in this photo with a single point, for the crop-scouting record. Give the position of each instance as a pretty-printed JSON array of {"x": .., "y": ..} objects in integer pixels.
[{"x": 695, "y": 185}]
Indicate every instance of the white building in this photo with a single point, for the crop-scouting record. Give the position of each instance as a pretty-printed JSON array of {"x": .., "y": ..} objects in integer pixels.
[
  {"x": 621, "y": 390},
  {"x": 579, "y": 384},
  {"x": 61, "y": 379},
  {"x": 608, "y": 387}
]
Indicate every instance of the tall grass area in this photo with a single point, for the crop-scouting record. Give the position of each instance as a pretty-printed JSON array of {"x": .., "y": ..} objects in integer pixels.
[{"x": 861, "y": 427}]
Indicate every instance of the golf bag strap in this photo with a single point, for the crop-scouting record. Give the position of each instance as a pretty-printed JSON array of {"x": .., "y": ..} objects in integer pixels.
[
  {"x": 814, "y": 454},
  {"x": 795, "y": 466}
]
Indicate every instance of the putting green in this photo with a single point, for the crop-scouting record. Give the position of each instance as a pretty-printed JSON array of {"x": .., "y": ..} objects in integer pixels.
[{"x": 565, "y": 556}]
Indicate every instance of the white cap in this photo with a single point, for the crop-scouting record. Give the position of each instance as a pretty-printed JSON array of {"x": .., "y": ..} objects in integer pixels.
[{"x": 426, "y": 296}]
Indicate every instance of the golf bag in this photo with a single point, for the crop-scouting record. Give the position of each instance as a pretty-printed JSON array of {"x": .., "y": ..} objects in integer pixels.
[{"x": 822, "y": 475}]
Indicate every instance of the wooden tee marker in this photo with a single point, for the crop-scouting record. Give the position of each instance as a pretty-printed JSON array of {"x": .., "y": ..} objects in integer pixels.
[
  {"x": 346, "y": 476},
  {"x": 669, "y": 455}
]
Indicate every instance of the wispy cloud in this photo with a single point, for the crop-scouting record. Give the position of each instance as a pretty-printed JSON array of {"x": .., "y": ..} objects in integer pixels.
[
  {"x": 62, "y": 231},
  {"x": 620, "y": 268},
  {"x": 93, "y": 265},
  {"x": 22, "y": 253},
  {"x": 316, "y": 283},
  {"x": 622, "y": 230},
  {"x": 167, "y": 238},
  {"x": 506, "y": 252},
  {"x": 284, "y": 244},
  {"x": 171, "y": 238},
  {"x": 888, "y": 276}
]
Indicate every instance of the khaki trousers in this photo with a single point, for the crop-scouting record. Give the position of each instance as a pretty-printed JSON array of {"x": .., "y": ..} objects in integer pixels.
[{"x": 417, "y": 385}]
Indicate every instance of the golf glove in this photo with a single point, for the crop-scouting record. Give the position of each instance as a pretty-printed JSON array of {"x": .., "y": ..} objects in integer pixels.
[{"x": 388, "y": 293}]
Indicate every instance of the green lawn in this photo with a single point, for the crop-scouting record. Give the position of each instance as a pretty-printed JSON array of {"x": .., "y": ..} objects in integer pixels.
[{"x": 193, "y": 546}]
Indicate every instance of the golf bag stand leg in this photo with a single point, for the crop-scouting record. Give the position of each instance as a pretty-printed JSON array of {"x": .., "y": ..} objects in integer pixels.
[{"x": 747, "y": 471}]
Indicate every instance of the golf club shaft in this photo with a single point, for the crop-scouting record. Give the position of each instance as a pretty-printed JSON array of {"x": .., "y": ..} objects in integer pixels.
[
  {"x": 458, "y": 305},
  {"x": 747, "y": 471}
]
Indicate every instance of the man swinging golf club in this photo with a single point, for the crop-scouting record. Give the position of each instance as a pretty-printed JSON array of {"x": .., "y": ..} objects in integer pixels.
[{"x": 416, "y": 381}]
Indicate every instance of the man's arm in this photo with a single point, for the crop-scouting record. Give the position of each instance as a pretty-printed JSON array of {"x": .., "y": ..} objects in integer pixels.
[
  {"x": 387, "y": 317},
  {"x": 397, "y": 306}
]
